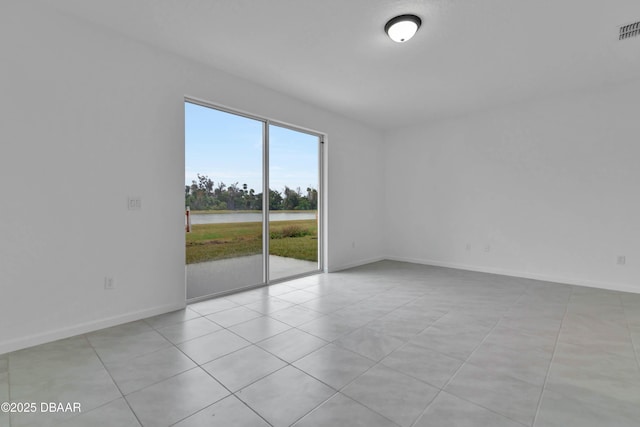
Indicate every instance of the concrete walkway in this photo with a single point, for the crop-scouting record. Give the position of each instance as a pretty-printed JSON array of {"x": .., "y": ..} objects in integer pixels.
[{"x": 212, "y": 277}]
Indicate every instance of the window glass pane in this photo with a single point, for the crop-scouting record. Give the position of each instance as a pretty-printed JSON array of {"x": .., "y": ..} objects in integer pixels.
[{"x": 293, "y": 202}]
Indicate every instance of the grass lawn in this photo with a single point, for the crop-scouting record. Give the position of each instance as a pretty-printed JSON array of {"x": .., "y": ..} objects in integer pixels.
[{"x": 292, "y": 239}]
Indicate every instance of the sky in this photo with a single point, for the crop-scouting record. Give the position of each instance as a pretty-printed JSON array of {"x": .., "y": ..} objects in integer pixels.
[{"x": 228, "y": 148}]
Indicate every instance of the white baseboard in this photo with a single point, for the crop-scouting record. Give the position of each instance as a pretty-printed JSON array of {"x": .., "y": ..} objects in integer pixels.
[
  {"x": 83, "y": 328},
  {"x": 354, "y": 264},
  {"x": 622, "y": 287}
]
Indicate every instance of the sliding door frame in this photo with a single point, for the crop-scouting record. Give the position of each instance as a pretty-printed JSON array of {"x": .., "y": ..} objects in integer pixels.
[{"x": 266, "y": 122}]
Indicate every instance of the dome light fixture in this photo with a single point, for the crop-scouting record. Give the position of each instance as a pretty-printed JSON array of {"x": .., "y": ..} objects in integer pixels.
[{"x": 402, "y": 28}]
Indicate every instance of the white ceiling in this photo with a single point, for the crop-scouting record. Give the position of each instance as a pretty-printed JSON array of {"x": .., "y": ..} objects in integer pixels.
[{"x": 468, "y": 55}]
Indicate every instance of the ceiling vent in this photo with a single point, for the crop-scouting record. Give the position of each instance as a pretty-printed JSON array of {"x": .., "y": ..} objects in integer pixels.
[{"x": 631, "y": 30}]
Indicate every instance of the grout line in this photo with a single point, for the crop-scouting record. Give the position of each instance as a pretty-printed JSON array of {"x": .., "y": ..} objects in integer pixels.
[
  {"x": 9, "y": 387},
  {"x": 633, "y": 346},
  {"x": 339, "y": 391},
  {"x": 471, "y": 354},
  {"x": 231, "y": 393},
  {"x": 112, "y": 379},
  {"x": 375, "y": 363},
  {"x": 252, "y": 410},
  {"x": 464, "y": 363},
  {"x": 555, "y": 346}
]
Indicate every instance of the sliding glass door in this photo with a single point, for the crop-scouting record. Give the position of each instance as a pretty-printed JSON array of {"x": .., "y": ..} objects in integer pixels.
[{"x": 231, "y": 162}]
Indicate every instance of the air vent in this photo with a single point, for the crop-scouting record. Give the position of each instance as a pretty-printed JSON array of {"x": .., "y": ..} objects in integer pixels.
[{"x": 631, "y": 30}]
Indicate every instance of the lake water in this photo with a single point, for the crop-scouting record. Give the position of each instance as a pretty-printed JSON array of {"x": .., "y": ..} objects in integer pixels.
[{"x": 250, "y": 217}]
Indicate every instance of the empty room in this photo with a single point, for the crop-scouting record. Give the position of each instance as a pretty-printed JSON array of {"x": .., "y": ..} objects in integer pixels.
[{"x": 319, "y": 213}]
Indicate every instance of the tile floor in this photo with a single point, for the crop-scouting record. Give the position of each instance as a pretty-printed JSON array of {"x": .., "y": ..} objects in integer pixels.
[{"x": 387, "y": 344}]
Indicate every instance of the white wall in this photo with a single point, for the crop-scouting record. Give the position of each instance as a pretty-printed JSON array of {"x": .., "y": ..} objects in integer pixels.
[
  {"x": 551, "y": 186},
  {"x": 88, "y": 118}
]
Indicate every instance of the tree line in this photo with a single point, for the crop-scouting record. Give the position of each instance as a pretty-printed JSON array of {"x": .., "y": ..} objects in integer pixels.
[{"x": 203, "y": 194}]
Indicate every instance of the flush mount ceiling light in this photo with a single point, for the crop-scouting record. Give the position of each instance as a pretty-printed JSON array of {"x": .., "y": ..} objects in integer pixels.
[{"x": 402, "y": 28}]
